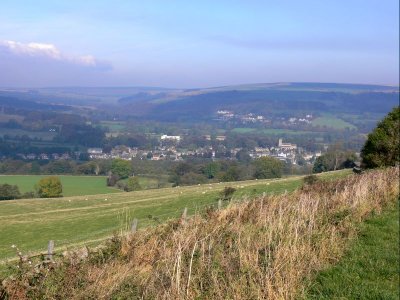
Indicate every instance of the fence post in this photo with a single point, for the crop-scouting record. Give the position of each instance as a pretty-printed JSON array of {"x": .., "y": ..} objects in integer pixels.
[
  {"x": 219, "y": 204},
  {"x": 134, "y": 225},
  {"x": 50, "y": 250},
  {"x": 184, "y": 214}
]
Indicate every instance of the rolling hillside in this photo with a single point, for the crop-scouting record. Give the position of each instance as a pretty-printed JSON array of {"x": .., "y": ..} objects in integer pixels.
[
  {"x": 82, "y": 219},
  {"x": 264, "y": 247}
]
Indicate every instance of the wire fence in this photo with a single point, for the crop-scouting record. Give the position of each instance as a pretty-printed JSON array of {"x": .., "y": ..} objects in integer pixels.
[{"x": 131, "y": 224}]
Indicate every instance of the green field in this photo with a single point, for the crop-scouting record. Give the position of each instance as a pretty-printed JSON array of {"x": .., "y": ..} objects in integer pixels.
[
  {"x": 151, "y": 182},
  {"x": 271, "y": 131},
  {"x": 370, "y": 268},
  {"x": 114, "y": 126},
  {"x": 332, "y": 122},
  {"x": 43, "y": 135},
  {"x": 72, "y": 185},
  {"x": 78, "y": 220}
]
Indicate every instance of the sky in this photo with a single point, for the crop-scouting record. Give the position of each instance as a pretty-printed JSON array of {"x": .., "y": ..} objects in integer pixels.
[{"x": 189, "y": 44}]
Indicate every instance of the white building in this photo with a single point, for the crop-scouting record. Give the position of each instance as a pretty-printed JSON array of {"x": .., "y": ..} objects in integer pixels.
[
  {"x": 171, "y": 137},
  {"x": 94, "y": 150}
]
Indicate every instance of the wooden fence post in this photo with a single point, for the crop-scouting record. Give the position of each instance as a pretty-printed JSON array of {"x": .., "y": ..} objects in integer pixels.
[
  {"x": 184, "y": 214},
  {"x": 219, "y": 204},
  {"x": 134, "y": 225},
  {"x": 50, "y": 250}
]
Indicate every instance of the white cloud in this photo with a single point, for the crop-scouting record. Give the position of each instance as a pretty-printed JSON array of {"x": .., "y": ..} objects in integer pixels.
[
  {"x": 38, "y": 64},
  {"x": 48, "y": 51}
]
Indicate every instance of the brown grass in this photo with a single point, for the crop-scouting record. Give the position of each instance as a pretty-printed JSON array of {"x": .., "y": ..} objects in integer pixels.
[{"x": 256, "y": 249}]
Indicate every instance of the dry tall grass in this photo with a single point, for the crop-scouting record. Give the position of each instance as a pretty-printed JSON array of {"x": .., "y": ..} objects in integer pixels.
[{"x": 257, "y": 249}]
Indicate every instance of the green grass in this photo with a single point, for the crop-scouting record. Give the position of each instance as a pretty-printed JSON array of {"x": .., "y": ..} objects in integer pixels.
[
  {"x": 332, "y": 122},
  {"x": 44, "y": 135},
  {"x": 271, "y": 131},
  {"x": 114, "y": 126},
  {"x": 370, "y": 268},
  {"x": 72, "y": 185},
  {"x": 70, "y": 221},
  {"x": 152, "y": 182}
]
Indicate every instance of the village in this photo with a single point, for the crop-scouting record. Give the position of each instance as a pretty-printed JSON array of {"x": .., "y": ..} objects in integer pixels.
[
  {"x": 251, "y": 118},
  {"x": 286, "y": 152}
]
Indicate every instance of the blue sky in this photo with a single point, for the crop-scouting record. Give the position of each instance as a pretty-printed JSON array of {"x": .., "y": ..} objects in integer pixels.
[{"x": 197, "y": 43}]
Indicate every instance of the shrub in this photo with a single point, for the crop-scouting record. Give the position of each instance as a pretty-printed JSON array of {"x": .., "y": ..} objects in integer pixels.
[
  {"x": 268, "y": 167},
  {"x": 9, "y": 192},
  {"x": 49, "y": 187},
  {"x": 132, "y": 184},
  {"x": 112, "y": 180},
  {"x": 310, "y": 179},
  {"x": 227, "y": 193},
  {"x": 121, "y": 168}
]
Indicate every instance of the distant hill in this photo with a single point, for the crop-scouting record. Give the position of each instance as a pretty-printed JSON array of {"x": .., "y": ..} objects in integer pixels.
[
  {"x": 17, "y": 103},
  {"x": 201, "y": 104}
]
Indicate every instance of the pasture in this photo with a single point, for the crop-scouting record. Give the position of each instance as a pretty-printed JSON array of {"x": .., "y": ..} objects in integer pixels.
[
  {"x": 114, "y": 126},
  {"x": 271, "y": 131},
  {"x": 72, "y": 185},
  {"x": 42, "y": 135},
  {"x": 86, "y": 220},
  {"x": 332, "y": 122}
]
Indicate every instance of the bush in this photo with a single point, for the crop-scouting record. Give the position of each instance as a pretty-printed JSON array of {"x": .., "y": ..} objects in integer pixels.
[
  {"x": 121, "y": 168},
  {"x": 382, "y": 147},
  {"x": 132, "y": 184},
  {"x": 227, "y": 193},
  {"x": 9, "y": 192},
  {"x": 310, "y": 179},
  {"x": 112, "y": 180},
  {"x": 49, "y": 187},
  {"x": 268, "y": 167}
]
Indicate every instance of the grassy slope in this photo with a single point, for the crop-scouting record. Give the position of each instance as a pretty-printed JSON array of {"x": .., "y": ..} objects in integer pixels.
[
  {"x": 370, "y": 269},
  {"x": 262, "y": 248},
  {"x": 30, "y": 224},
  {"x": 333, "y": 122},
  {"x": 72, "y": 185},
  {"x": 270, "y": 131}
]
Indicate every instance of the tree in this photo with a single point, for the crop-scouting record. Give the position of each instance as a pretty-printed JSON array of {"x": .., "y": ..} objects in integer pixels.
[
  {"x": 49, "y": 187},
  {"x": 232, "y": 174},
  {"x": 211, "y": 170},
  {"x": 8, "y": 192},
  {"x": 243, "y": 156},
  {"x": 268, "y": 167},
  {"x": 382, "y": 147},
  {"x": 133, "y": 184},
  {"x": 121, "y": 168},
  {"x": 334, "y": 160}
]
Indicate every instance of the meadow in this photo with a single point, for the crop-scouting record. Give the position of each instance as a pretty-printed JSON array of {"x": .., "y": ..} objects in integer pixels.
[
  {"x": 42, "y": 135},
  {"x": 114, "y": 126},
  {"x": 272, "y": 131},
  {"x": 72, "y": 185},
  {"x": 79, "y": 220},
  {"x": 332, "y": 122}
]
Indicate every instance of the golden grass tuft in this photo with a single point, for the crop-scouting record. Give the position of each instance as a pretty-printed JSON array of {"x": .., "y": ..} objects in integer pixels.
[{"x": 263, "y": 248}]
